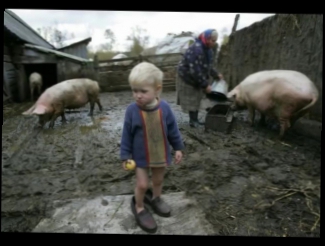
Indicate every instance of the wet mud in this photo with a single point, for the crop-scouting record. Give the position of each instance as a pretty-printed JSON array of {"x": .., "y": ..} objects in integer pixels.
[{"x": 247, "y": 182}]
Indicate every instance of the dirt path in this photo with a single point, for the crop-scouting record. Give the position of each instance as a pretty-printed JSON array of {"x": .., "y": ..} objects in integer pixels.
[{"x": 247, "y": 182}]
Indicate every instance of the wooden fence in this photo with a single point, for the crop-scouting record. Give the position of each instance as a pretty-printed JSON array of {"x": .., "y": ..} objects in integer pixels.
[{"x": 113, "y": 74}]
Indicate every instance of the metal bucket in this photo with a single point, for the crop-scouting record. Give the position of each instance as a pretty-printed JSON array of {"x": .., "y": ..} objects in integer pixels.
[{"x": 219, "y": 91}]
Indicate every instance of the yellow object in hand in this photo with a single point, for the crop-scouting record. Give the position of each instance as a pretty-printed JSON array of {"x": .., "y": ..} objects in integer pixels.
[{"x": 130, "y": 164}]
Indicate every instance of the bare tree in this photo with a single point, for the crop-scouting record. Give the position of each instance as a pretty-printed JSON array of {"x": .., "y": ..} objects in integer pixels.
[
  {"x": 55, "y": 36},
  {"x": 46, "y": 33},
  {"x": 225, "y": 36},
  {"x": 61, "y": 35},
  {"x": 224, "y": 30},
  {"x": 105, "y": 47},
  {"x": 139, "y": 40},
  {"x": 109, "y": 35}
]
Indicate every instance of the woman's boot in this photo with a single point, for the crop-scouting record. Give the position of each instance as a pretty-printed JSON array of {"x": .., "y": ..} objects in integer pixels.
[
  {"x": 193, "y": 119},
  {"x": 197, "y": 118}
]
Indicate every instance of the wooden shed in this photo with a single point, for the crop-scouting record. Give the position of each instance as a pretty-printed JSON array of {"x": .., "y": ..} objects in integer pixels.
[
  {"x": 25, "y": 51},
  {"x": 76, "y": 47}
]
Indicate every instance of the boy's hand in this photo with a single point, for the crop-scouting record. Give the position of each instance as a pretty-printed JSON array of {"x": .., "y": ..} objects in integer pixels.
[
  {"x": 123, "y": 165},
  {"x": 178, "y": 156},
  {"x": 208, "y": 89}
]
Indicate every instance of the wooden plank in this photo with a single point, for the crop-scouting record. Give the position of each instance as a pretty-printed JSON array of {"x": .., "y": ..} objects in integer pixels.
[
  {"x": 7, "y": 58},
  {"x": 10, "y": 79},
  {"x": 107, "y": 85},
  {"x": 5, "y": 93},
  {"x": 128, "y": 86},
  {"x": 125, "y": 68},
  {"x": 165, "y": 82},
  {"x": 30, "y": 52},
  {"x": 114, "y": 68},
  {"x": 106, "y": 72},
  {"x": 166, "y": 64},
  {"x": 35, "y": 60},
  {"x": 169, "y": 86},
  {"x": 22, "y": 83},
  {"x": 118, "y": 60},
  {"x": 164, "y": 55},
  {"x": 5, "y": 50},
  {"x": 7, "y": 99},
  {"x": 6, "y": 96},
  {"x": 137, "y": 57},
  {"x": 17, "y": 49}
]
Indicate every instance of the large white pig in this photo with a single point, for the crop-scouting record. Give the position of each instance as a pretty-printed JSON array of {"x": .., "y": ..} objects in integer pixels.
[
  {"x": 284, "y": 95},
  {"x": 69, "y": 94},
  {"x": 35, "y": 82}
]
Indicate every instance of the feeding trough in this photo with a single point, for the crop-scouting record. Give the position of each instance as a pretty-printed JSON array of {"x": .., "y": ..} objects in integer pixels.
[{"x": 220, "y": 116}]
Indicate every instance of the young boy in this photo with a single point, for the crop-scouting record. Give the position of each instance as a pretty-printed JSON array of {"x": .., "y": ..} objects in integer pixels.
[{"x": 149, "y": 127}]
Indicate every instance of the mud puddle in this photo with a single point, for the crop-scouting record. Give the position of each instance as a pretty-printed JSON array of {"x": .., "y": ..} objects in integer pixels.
[{"x": 247, "y": 182}]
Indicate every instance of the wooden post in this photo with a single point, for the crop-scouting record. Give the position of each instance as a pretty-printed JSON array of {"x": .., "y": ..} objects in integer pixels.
[
  {"x": 5, "y": 93},
  {"x": 5, "y": 80},
  {"x": 235, "y": 23},
  {"x": 96, "y": 68},
  {"x": 22, "y": 85},
  {"x": 59, "y": 71}
]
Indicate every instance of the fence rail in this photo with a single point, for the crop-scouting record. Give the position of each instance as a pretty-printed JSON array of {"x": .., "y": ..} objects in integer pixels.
[
  {"x": 113, "y": 76},
  {"x": 140, "y": 57}
]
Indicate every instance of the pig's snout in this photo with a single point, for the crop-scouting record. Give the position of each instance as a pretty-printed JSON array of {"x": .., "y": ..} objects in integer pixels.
[{"x": 233, "y": 106}]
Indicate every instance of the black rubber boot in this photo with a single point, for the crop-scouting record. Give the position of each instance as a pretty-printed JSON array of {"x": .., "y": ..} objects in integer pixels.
[
  {"x": 197, "y": 118},
  {"x": 193, "y": 119}
]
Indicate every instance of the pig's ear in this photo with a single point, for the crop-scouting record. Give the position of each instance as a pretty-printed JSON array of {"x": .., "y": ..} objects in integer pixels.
[
  {"x": 39, "y": 110},
  {"x": 29, "y": 111}
]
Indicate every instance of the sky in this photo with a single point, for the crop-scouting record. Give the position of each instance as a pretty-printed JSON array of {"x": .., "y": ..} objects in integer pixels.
[{"x": 157, "y": 24}]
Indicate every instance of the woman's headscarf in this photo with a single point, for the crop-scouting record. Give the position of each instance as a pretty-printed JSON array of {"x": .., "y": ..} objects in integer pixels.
[
  {"x": 203, "y": 39},
  {"x": 206, "y": 35}
]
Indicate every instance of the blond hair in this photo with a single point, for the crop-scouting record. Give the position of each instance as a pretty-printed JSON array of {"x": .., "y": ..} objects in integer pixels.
[{"x": 146, "y": 73}]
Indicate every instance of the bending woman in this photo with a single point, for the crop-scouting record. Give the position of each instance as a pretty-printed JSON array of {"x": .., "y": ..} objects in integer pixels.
[{"x": 193, "y": 74}]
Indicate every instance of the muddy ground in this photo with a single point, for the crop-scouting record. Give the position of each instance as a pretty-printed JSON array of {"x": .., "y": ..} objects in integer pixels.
[{"x": 247, "y": 182}]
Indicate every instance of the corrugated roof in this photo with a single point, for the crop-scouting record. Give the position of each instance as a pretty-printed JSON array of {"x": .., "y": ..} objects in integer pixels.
[
  {"x": 21, "y": 29},
  {"x": 57, "y": 53}
]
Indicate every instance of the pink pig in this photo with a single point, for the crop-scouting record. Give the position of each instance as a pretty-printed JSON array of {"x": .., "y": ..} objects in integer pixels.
[
  {"x": 285, "y": 95},
  {"x": 69, "y": 94},
  {"x": 35, "y": 82}
]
